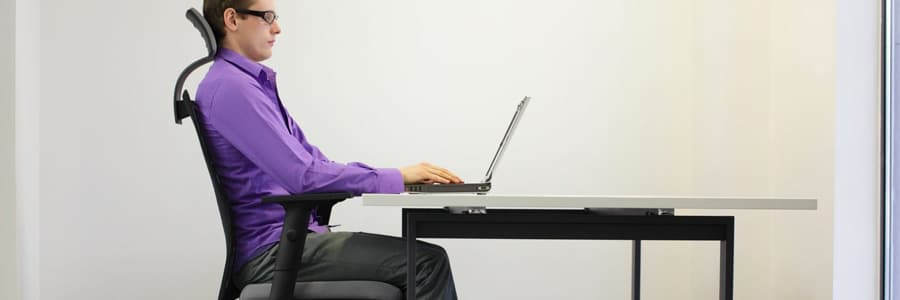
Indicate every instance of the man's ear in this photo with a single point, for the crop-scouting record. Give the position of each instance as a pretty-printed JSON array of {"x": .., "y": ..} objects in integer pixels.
[{"x": 230, "y": 18}]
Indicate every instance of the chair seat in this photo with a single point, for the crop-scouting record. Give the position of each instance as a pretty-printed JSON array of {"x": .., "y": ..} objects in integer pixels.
[{"x": 328, "y": 290}]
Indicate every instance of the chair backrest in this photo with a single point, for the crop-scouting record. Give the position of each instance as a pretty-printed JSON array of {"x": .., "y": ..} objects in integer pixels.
[{"x": 185, "y": 107}]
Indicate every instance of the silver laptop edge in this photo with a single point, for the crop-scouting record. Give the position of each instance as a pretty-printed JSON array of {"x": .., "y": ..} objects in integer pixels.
[{"x": 506, "y": 138}]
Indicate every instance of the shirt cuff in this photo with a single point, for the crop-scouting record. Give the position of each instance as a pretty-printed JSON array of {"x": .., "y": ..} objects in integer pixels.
[{"x": 390, "y": 181}]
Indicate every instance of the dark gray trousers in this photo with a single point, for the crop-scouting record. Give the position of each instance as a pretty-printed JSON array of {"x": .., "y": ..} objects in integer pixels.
[{"x": 360, "y": 256}]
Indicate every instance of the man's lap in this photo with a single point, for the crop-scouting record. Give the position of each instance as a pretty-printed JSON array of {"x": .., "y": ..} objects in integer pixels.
[{"x": 343, "y": 256}]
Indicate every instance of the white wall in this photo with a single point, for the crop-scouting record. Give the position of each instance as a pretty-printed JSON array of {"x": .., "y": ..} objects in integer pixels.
[
  {"x": 9, "y": 285},
  {"x": 857, "y": 214},
  {"x": 694, "y": 97},
  {"x": 731, "y": 63},
  {"x": 802, "y": 126},
  {"x": 28, "y": 97}
]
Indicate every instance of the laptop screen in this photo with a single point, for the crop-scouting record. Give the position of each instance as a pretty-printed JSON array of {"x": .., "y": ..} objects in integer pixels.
[{"x": 520, "y": 110}]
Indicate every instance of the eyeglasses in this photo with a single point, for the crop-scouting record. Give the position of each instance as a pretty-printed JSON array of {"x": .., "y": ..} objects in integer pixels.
[{"x": 268, "y": 16}]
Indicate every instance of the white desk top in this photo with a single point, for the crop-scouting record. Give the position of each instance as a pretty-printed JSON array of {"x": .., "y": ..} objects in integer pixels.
[{"x": 573, "y": 201}]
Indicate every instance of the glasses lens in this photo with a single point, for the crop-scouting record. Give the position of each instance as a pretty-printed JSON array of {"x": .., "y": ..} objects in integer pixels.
[{"x": 270, "y": 17}]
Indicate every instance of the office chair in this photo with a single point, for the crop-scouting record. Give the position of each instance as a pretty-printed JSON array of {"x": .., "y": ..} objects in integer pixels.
[{"x": 297, "y": 212}]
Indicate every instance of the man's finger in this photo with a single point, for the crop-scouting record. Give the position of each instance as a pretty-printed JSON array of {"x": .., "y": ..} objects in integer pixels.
[
  {"x": 444, "y": 174},
  {"x": 438, "y": 178}
]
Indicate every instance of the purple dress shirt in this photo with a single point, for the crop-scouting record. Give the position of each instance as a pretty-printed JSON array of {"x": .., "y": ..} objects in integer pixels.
[{"x": 258, "y": 150}]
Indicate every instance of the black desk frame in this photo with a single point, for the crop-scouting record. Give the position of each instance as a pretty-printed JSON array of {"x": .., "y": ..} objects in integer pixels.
[{"x": 572, "y": 225}]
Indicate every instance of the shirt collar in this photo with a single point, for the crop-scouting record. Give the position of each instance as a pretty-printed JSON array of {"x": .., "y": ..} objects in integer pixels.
[{"x": 255, "y": 69}]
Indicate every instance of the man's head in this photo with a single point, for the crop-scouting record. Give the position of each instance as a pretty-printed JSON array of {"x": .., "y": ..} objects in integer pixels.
[{"x": 247, "y": 27}]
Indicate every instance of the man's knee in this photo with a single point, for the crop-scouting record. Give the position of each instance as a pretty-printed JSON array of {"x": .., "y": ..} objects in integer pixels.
[{"x": 434, "y": 256}]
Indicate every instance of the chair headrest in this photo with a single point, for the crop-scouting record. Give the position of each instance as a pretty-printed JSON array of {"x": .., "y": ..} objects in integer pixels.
[
  {"x": 205, "y": 30},
  {"x": 182, "y": 109}
]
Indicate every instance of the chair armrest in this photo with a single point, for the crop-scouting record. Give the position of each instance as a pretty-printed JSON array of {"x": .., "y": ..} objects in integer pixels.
[
  {"x": 308, "y": 198},
  {"x": 293, "y": 236},
  {"x": 324, "y": 202}
]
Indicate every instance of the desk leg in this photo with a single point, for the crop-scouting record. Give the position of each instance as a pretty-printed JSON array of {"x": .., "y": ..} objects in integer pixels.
[
  {"x": 726, "y": 264},
  {"x": 410, "y": 258},
  {"x": 636, "y": 270}
]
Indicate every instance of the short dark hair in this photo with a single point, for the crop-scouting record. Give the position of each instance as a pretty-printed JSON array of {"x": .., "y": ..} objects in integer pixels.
[{"x": 214, "y": 12}]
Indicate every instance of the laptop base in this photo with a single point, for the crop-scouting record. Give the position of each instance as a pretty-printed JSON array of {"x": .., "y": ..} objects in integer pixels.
[{"x": 448, "y": 188}]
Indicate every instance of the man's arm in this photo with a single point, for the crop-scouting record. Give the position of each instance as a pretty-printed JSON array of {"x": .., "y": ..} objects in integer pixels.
[
  {"x": 245, "y": 117},
  {"x": 422, "y": 172}
]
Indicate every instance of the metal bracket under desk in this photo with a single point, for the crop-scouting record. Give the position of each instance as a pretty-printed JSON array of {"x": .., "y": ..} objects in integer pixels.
[{"x": 571, "y": 225}]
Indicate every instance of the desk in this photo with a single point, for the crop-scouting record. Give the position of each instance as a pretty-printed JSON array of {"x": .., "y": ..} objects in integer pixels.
[{"x": 565, "y": 217}]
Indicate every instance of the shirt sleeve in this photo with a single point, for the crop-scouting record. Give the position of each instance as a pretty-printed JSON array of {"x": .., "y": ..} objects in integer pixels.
[{"x": 244, "y": 116}]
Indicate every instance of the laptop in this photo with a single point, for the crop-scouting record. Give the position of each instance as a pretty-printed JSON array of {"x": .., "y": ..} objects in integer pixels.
[{"x": 485, "y": 185}]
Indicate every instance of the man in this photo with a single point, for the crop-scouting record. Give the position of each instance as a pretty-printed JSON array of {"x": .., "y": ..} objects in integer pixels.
[{"x": 258, "y": 150}]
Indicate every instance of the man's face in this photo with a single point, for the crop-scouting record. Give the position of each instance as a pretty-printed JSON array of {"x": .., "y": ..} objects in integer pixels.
[{"x": 252, "y": 36}]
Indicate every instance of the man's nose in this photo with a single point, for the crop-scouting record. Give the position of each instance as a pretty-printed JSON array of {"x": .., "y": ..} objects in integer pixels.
[{"x": 276, "y": 28}]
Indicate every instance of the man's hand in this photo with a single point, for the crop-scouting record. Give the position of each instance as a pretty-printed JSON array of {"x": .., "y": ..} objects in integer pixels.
[{"x": 427, "y": 173}]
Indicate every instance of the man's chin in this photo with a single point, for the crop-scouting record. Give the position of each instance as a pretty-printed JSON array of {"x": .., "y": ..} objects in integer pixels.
[{"x": 263, "y": 56}]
